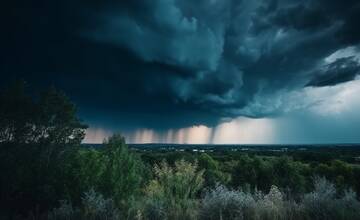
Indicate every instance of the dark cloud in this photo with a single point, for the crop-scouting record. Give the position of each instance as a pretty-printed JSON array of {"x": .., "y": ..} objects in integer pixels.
[
  {"x": 305, "y": 15},
  {"x": 302, "y": 17},
  {"x": 180, "y": 62},
  {"x": 342, "y": 70},
  {"x": 297, "y": 16}
]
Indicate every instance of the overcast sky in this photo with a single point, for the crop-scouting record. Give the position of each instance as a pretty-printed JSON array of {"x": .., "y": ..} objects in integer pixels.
[{"x": 185, "y": 71}]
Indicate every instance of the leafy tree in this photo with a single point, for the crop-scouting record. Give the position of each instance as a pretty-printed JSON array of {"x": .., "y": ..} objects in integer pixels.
[
  {"x": 36, "y": 136},
  {"x": 212, "y": 172},
  {"x": 123, "y": 173},
  {"x": 244, "y": 172},
  {"x": 113, "y": 171},
  {"x": 51, "y": 120},
  {"x": 265, "y": 173},
  {"x": 339, "y": 172},
  {"x": 57, "y": 122},
  {"x": 288, "y": 174},
  {"x": 83, "y": 172}
]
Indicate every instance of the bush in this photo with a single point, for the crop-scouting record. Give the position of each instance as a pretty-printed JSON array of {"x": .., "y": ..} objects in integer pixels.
[
  {"x": 114, "y": 171},
  {"x": 349, "y": 205},
  {"x": 320, "y": 204},
  {"x": 271, "y": 205},
  {"x": 93, "y": 207},
  {"x": 212, "y": 172},
  {"x": 172, "y": 194},
  {"x": 122, "y": 177},
  {"x": 324, "y": 203},
  {"x": 222, "y": 203}
]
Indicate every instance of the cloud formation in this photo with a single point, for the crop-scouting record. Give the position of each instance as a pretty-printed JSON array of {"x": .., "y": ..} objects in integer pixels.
[
  {"x": 172, "y": 63},
  {"x": 339, "y": 71}
]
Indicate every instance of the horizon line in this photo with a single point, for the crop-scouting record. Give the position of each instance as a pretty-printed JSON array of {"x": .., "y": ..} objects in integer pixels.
[{"x": 303, "y": 144}]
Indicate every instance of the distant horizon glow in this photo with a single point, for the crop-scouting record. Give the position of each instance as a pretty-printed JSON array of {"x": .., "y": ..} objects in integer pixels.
[{"x": 240, "y": 130}]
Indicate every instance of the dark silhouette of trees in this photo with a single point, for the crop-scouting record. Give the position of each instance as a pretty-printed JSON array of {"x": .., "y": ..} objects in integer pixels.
[
  {"x": 37, "y": 134},
  {"x": 50, "y": 120}
]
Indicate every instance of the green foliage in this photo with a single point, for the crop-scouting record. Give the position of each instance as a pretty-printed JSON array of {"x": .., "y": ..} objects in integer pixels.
[
  {"x": 171, "y": 195},
  {"x": 262, "y": 173},
  {"x": 244, "y": 172},
  {"x": 212, "y": 172},
  {"x": 93, "y": 207},
  {"x": 84, "y": 169},
  {"x": 36, "y": 137},
  {"x": 322, "y": 203},
  {"x": 325, "y": 203},
  {"x": 113, "y": 171},
  {"x": 339, "y": 172},
  {"x": 290, "y": 174},
  {"x": 123, "y": 173},
  {"x": 223, "y": 203},
  {"x": 57, "y": 122}
]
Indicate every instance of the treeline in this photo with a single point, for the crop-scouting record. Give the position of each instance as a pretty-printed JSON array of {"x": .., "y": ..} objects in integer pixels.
[
  {"x": 47, "y": 174},
  {"x": 256, "y": 171}
]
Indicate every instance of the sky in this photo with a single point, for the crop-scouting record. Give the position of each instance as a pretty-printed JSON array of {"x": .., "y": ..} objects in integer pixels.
[{"x": 184, "y": 71}]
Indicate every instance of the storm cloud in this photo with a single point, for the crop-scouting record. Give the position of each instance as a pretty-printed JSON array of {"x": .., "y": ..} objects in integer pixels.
[
  {"x": 169, "y": 63},
  {"x": 342, "y": 70}
]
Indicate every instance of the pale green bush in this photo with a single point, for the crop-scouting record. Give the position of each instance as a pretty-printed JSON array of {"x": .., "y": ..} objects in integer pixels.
[
  {"x": 172, "y": 194},
  {"x": 223, "y": 203},
  {"x": 95, "y": 206},
  {"x": 321, "y": 203},
  {"x": 324, "y": 203},
  {"x": 271, "y": 205}
]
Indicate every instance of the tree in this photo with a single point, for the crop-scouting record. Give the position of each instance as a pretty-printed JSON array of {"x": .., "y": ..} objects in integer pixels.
[
  {"x": 212, "y": 173},
  {"x": 57, "y": 122},
  {"x": 36, "y": 135},
  {"x": 51, "y": 121},
  {"x": 244, "y": 172},
  {"x": 16, "y": 114},
  {"x": 123, "y": 173},
  {"x": 288, "y": 174}
]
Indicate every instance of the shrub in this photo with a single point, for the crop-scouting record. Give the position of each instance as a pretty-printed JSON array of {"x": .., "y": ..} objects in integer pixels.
[
  {"x": 212, "y": 172},
  {"x": 171, "y": 195},
  {"x": 320, "y": 204},
  {"x": 324, "y": 203},
  {"x": 271, "y": 205},
  {"x": 93, "y": 207},
  {"x": 114, "y": 171},
  {"x": 122, "y": 177},
  {"x": 222, "y": 203}
]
